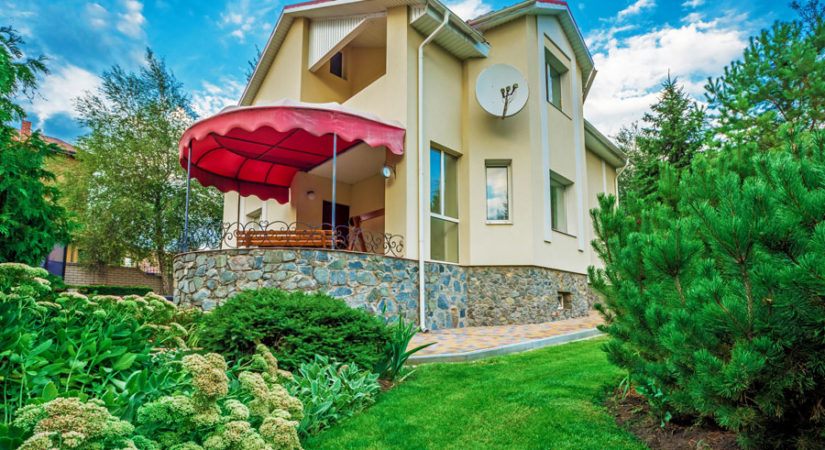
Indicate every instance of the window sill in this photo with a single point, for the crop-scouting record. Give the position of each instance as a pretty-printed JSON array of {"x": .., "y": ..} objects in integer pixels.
[
  {"x": 563, "y": 233},
  {"x": 559, "y": 109},
  {"x": 498, "y": 222}
]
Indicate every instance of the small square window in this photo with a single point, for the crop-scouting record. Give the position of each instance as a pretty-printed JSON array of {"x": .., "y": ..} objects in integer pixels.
[
  {"x": 565, "y": 300},
  {"x": 336, "y": 65}
]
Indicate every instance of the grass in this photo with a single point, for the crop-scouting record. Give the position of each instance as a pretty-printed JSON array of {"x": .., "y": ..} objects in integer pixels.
[{"x": 544, "y": 399}]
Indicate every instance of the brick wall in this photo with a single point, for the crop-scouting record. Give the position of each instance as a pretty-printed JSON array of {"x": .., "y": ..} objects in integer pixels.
[{"x": 111, "y": 276}]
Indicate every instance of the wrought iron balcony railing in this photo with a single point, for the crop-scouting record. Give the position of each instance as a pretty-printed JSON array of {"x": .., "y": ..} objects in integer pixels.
[{"x": 278, "y": 234}]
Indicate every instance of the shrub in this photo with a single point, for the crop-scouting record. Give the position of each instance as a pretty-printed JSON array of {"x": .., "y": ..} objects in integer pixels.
[
  {"x": 68, "y": 344},
  {"x": 713, "y": 298},
  {"x": 119, "y": 291},
  {"x": 71, "y": 423},
  {"x": 296, "y": 326},
  {"x": 260, "y": 414},
  {"x": 331, "y": 392},
  {"x": 395, "y": 353}
]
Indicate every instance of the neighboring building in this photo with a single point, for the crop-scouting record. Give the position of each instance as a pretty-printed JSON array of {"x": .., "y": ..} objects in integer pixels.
[
  {"x": 62, "y": 163},
  {"x": 508, "y": 198},
  {"x": 63, "y": 260}
]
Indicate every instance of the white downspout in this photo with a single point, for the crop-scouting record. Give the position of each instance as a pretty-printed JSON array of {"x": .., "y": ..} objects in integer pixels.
[{"x": 422, "y": 296}]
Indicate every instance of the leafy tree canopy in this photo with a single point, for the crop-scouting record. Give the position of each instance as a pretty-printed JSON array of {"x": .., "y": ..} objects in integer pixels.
[
  {"x": 130, "y": 189},
  {"x": 31, "y": 218}
]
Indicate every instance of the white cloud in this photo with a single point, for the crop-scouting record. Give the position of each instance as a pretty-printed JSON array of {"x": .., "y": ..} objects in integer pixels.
[
  {"x": 693, "y": 3},
  {"x": 59, "y": 89},
  {"x": 212, "y": 98},
  {"x": 632, "y": 68},
  {"x": 241, "y": 17},
  {"x": 635, "y": 8},
  {"x": 469, "y": 9},
  {"x": 98, "y": 15},
  {"x": 131, "y": 20}
]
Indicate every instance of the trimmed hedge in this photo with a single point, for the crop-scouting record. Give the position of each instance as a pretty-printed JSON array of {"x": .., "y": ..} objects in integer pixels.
[
  {"x": 119, "y": 291},
  {"x": 296, "y": 326}
]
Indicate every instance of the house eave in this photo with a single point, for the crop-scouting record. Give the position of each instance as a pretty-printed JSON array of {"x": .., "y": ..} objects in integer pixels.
[
  {"x": 557, "y": 8},
  {"x": 602, "y": 146}
]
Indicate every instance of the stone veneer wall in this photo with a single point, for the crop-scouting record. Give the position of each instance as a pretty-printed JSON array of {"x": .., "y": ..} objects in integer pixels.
[
  {"x": 509, "y": 295},
  {"x": 373, "y": 282},
  {"x": 456, "y": 296}
]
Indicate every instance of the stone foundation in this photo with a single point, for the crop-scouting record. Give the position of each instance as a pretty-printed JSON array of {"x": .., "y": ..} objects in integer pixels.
[
  {"x": 511, "y": 295},
  {"x": 456, "y": 296}
]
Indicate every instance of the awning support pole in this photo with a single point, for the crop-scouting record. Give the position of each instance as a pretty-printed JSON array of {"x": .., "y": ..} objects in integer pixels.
[
  {"x": 422, "y": 292},
  {"x": 334, "y": 183},
  {"x": 188, "y": 185}
]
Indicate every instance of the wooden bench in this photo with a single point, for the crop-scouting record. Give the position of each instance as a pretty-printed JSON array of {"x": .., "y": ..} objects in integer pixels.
[{"x": 285, "y": 238}]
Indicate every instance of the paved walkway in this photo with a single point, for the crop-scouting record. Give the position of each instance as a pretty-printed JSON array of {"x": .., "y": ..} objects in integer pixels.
[{"x": 457, "y": 344}]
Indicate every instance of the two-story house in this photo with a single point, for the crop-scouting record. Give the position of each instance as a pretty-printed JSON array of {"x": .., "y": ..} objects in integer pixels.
[{"x": 494, "y": 209}]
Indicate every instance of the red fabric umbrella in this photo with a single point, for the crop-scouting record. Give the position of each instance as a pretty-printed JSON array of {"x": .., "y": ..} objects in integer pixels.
[{"x": 257, "y": 150}]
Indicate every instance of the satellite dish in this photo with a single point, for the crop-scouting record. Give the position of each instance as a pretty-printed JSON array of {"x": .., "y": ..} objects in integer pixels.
[{"x": 501, "y": 90}]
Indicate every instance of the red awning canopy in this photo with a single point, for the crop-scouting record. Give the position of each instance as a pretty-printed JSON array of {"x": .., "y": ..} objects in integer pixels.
[{"x": 257, "y": 150}]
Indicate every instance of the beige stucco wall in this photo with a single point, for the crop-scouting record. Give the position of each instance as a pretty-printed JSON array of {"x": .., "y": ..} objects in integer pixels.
[{"x": 537, "y": 140}]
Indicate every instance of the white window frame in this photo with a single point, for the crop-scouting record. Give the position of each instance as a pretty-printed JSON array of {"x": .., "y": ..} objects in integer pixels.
[
  {"x": 499, "y": 163},
  {"x": 442, "y": 188},
  {"x": 552, "y": 61},
  {"x": 556, "y": 179}
]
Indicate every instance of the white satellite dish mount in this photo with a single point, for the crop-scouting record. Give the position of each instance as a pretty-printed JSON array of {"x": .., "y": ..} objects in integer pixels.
[{"x": 501, "y": 90}]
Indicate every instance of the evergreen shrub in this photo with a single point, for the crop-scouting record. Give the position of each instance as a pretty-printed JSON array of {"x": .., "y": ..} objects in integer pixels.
[
  {"x": 296, "y": 326},
  {"x": 713, "y": 296}
]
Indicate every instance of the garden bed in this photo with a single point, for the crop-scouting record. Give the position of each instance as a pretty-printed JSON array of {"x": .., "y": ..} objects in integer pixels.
[{"x": 633, "y": 412}]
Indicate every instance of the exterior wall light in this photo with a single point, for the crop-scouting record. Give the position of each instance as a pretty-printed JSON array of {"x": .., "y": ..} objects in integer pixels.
[
  {"x": 311, "y": 195},
  {"x": 387, "y": 171}
]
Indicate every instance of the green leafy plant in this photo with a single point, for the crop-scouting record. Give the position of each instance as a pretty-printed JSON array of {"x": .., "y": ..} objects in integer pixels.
[
  {"x": 112, "y": 290},
  {"x": 67, "y": 344},
  {"x": 331, "y": 391},
  {"x": 72, "y": 423},
  {"x": 396, "y": 352},
  {"x": 206, "y": 414},
  {"x": 296, "y": 326}
]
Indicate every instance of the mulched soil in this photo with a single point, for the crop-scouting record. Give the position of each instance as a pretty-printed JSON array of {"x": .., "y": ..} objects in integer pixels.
[{"x": 633, "y": 413}]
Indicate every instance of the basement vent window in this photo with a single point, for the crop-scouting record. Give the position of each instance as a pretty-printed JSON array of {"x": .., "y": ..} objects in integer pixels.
[
  {"x": 336, "y": 65},
  {"x": 565, "y": 300}
]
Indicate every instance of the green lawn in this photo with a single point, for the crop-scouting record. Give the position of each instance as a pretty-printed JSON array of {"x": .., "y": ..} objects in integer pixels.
[{"x": 535, "y": 400}]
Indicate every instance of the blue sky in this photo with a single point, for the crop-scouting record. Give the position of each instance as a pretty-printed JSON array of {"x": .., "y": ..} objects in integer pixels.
[{"x": 207, "y": 44}]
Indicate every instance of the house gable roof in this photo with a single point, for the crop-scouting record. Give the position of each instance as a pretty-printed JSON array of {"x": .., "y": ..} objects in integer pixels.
[
  {"x": 557, "y": 8},
  {"x": 458, "y": 38}
]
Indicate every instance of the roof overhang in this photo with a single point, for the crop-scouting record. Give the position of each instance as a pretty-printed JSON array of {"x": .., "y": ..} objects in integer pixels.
[
  {"x": 561, "y": 11},
  {"x": 458, "y": 38},
  {"x": 601, "y": 145}
]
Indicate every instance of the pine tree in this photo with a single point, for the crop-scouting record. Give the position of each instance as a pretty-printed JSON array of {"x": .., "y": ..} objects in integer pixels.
[
  {"x": 779, "y": 81},
  {"x": 672, "y": 134},
  {"x": 714, "y": 298}
]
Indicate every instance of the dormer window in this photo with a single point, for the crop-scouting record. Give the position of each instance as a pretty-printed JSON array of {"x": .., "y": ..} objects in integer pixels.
[{"x": 336, "y": 65}]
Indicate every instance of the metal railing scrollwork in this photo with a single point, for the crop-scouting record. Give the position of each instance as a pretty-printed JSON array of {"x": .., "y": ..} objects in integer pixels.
[{"x": 279, "y": 234}]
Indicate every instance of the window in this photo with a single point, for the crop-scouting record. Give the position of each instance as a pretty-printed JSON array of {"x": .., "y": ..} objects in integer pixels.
[
  {"x": 554, "y": 71},
  {"x": 558, "y": 203},
  {"x": 443, "y": 206},
  {"x": 498, "y": 191},
  {"x": 565, "y": 300},
  {"x": 336, "y": 65}
]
